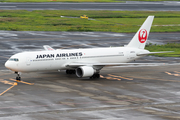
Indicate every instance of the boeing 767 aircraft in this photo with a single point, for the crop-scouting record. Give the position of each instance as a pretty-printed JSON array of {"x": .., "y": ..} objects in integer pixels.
[{"x": 82, "y": 62}]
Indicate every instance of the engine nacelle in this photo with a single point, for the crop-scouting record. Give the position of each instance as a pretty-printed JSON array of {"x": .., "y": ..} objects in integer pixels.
[{"x": 85, "y": 71}]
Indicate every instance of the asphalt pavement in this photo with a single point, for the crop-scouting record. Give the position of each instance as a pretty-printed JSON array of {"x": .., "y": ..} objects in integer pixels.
[
  {"x": 131, "y": 92},
  {"x": 130, "y": 6}
]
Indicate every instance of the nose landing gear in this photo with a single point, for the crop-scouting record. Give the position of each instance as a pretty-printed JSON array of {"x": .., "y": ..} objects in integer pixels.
[{"x": 18, "y": 78}]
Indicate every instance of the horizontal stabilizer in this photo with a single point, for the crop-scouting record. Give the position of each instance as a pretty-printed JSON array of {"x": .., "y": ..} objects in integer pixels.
[{"x": 141, "y": 54}]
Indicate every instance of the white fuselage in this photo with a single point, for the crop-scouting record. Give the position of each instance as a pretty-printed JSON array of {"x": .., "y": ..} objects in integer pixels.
[{"x": 59, "y": 59}]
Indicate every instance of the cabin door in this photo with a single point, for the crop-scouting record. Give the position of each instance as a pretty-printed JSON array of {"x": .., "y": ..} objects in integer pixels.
[{"x": 28, "y": 61}]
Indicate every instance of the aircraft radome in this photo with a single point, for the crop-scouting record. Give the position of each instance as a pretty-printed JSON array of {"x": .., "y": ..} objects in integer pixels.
[{"x": 82, "y": 62}]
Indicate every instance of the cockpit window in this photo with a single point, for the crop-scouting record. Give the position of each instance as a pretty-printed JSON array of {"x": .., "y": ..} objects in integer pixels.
[{"x": 14, "y": 59}]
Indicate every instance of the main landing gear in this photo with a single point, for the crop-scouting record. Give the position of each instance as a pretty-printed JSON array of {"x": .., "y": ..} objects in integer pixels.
[
  {"x": 70, "y": 71},
  {"x": 96, "y": 75},
  {"x": 18, "y": 78}
]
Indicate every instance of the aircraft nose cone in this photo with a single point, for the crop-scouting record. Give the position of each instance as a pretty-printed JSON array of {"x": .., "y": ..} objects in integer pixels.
[{"x": 7, "y": 65}]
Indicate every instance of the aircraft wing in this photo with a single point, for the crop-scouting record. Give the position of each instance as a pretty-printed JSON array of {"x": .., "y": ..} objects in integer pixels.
[{"x": 77, "y": 64}]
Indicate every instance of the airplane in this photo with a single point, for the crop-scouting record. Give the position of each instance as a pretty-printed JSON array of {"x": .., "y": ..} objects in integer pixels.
[{"x": 85, "y": 62}]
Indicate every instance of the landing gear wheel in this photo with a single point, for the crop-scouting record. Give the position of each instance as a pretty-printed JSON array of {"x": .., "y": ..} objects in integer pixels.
[
  {"x": 18, "y": 78},
  {"x": 97, "y": 75},
  {"x": 70, "y": 71}
]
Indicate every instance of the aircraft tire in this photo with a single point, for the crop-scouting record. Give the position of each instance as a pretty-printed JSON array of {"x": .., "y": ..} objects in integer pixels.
[
  {"x": 70, "y": 71},
  {"x": 95, "y": 76},
  {"x": 18, "y": 78}
]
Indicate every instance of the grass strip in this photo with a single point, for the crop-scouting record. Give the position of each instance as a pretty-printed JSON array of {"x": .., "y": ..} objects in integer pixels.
[{"x": 104, "y": 21}]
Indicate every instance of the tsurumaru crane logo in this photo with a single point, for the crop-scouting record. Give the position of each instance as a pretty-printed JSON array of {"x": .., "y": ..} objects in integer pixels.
[{"x": 142, "y": 36}]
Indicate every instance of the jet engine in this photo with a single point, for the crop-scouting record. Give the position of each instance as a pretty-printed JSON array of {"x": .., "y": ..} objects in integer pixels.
[{"x": 85, "y": 71}]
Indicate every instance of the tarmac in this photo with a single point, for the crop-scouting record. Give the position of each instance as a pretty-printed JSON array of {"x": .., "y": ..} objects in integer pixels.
[
  {"x": 130, "y": 92},
  {"x": 117, "y": 6}
]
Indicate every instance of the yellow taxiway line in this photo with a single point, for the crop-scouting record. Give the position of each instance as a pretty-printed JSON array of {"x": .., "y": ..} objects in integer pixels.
[
  {"x": 172, "y": 73},
  {"x": 110, "y": 78},
  {"x": 13, "y": 84},
  {"x": 6, "y": 82},
  {"x": 9, "y": 88},
  {"x": 120, "y": 77},
  {"x": 22, "y": 82}
]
